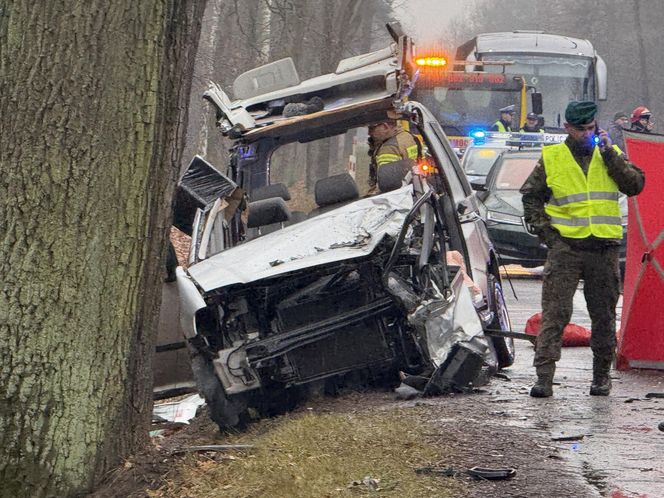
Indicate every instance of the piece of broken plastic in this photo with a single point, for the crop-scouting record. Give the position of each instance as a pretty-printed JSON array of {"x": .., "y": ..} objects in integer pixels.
[
  {"x": 491, "y": 474},
  {"x": 181, "y": 411}
]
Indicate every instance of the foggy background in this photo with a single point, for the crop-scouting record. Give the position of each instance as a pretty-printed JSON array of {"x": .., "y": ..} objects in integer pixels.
[{"x": 240, "y": 35}]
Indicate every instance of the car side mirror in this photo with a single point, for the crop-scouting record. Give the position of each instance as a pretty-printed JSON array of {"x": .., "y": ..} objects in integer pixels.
[{"x": 479, "y": 184}]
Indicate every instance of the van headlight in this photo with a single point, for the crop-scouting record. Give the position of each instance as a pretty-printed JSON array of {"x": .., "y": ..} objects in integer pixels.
[{"x": 508, "y": 219}]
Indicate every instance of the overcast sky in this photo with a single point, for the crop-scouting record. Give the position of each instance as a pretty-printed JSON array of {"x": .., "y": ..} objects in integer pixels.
[{"x": 424, "y": 20}]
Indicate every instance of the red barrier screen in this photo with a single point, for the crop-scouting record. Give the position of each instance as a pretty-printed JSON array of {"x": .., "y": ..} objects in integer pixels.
[{"x": 641, "y": 337}]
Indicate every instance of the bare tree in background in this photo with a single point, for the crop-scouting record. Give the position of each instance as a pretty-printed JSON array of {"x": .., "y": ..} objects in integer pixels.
[{"x": 315, "y": 33}]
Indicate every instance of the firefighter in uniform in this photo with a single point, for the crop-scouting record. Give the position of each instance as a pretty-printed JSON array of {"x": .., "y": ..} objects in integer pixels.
[
  {"x": 506, "y": 117},
  {"x": 571, "y": 201},
  {"x": 389, "y": 142},
  {"x": 641, "y": 120}
]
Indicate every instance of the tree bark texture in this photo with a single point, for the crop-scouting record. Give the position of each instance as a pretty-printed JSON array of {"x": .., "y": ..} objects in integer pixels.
[{"x": 90, "y": 134}]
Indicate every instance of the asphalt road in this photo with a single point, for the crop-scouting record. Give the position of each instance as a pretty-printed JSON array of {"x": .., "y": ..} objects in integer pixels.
[
  {"x": 618, "y": 448},
  {"x": 525, "y": 300}
]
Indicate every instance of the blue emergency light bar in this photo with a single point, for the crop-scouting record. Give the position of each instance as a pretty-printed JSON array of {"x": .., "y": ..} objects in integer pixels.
[{"x": 517, "y": 139}]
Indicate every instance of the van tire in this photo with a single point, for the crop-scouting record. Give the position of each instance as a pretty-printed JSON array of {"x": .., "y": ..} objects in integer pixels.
[
  {"x": 226, "y": 413},
  {"x": 504, "y": 346}
]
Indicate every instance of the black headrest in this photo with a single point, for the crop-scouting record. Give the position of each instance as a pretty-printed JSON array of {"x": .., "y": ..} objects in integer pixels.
[
  {"x": 334, "y": 189},
  {"x": 390, "y": 176},
  {"x": 267, "y": 191},
  {"x": 267, "y": 211}
]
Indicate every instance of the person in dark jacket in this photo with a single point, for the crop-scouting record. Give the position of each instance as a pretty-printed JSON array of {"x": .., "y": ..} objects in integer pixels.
[
  {"x": 532, "y": 124},
  {"x": 571, "y": 201},
  {"x": 620, "y": 123},
  {"x": 505, "y": 121}
]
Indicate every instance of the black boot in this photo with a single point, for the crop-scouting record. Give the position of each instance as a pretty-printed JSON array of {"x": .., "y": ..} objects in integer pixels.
[
  {"x": 543, "y": 388},
  {"x": 601, "y": 385}
]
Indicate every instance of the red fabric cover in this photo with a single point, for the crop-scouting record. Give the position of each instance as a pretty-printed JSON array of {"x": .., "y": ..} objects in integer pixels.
[
  {"x": 573, "y": 335},
  {"x": 640, "y": 342}
]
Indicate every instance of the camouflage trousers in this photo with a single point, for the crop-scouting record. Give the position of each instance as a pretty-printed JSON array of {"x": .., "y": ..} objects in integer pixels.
[{"x": 564, "y": 268}]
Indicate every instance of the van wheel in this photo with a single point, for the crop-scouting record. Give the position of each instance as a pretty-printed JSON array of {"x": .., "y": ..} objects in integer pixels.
[
  {"x": 226, "y": 413},
  {"x": 504, "y": 346}
]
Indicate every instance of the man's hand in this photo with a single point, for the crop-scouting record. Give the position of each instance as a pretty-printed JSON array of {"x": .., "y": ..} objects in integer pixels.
[{"x": 604, "y": 140}]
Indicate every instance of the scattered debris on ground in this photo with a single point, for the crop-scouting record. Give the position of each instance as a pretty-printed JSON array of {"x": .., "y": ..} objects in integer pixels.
[{"x": 180, "y": 410}]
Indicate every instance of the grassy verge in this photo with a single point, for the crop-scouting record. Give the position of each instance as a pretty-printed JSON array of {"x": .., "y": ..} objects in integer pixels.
[{"x": 320, "y": 455}]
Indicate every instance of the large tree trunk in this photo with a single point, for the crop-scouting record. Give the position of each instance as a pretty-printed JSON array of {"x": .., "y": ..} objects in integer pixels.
[{"x": 89, "y": 139}]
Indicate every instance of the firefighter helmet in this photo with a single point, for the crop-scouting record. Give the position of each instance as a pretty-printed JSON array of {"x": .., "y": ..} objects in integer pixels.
[{"x": 640, "y": 111}]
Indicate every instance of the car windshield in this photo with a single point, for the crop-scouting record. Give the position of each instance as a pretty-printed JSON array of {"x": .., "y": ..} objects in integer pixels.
[
  {"x": 479, "y": 161},
  {"x": 514, "y": 171}
]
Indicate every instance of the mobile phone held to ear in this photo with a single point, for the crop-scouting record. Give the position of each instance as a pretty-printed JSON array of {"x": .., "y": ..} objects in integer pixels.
[{"x": 596, "y": 139}]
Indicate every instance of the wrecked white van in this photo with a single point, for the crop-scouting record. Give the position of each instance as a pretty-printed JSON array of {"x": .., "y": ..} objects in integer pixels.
[{"x": 297, "y": 277}]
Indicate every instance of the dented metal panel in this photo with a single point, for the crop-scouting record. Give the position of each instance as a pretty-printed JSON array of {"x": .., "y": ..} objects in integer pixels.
[
  {"x": 350, "y": 231},
  {"x": 444, "y": 322}
]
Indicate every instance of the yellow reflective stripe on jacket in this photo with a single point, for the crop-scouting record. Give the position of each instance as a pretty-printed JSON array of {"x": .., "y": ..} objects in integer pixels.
[
  {"x": 583, "y": 196},
  {"x": 501, "y": 127},
  {"x": 387, "y": 158},
  {"x": 584, "y": 222},
  {"x": 581, "y": 205},
  {"x": 400, "y": 146}
]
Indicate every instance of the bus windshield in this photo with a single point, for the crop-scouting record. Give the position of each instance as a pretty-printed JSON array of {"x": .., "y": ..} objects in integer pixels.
[
  {"x": 463, "y": 102},
  {"x": 460, "y": 110},
  {"x": 558, "y": 78}
]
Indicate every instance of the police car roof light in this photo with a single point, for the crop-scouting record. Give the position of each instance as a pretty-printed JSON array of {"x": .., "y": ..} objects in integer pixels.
[
  {"x": 519, "y": 139},
  {"x": 478, "y": 136}
]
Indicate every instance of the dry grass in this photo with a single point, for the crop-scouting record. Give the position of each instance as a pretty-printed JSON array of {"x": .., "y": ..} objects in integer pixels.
[{"x": 319, "y": 455}]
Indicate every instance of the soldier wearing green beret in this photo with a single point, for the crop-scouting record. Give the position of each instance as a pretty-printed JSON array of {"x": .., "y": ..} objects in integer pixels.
[{"x": 571, "y": 202}]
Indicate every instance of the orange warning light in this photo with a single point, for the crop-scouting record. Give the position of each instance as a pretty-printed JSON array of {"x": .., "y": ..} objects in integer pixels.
[
  {"x": 424, "y": 167},
  {"x": 431, "y": 61}
]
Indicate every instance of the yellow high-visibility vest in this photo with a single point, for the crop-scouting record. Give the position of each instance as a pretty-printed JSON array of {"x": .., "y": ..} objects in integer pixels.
[
  {"x": 581, "y": 205},
  {"x": 501, "y": 127}
]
